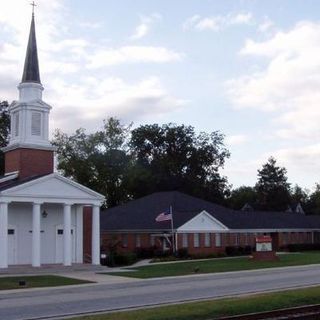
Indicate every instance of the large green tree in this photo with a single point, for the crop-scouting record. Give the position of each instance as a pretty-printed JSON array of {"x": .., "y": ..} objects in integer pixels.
[
  {"x": 4, "y": 130},
  {"x": 273, "y": 190},
  {"x": 98, "y": 160},
  {"x": 174, "y": 157},
  {"x": 313, "y": 202},
  {"x": 241, "y": 196}
]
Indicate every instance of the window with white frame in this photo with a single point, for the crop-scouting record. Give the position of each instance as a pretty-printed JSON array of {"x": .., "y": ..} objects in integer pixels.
[
  {"x": 236, "y": 239},
  {"x": 218, "y": 239},
  {"x": 285, "y": 237},
  {"x": 196, "y": 240},
  {"x": 185, "y": 240},
  {"x": 124, "y": 240},
  {"x": 138, "y": 241},
  {"x": 152, "y": 240},
  {"x": 247, "y": 239},
  {"x": 207, "y": 240}
]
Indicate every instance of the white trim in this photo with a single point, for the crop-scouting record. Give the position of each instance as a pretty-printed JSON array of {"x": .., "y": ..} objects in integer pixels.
[
  {"x": 48, "y": 177},
  {"x": 209, "y": 216},
  {"x": 9, "y": 176},
  {"x": 47, "y": 147}
]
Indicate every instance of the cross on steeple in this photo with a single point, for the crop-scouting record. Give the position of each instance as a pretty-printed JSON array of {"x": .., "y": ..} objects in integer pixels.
[{"x": 33, "y": 5}]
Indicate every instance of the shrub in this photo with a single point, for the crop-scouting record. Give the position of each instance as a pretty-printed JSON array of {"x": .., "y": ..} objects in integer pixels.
[
  {"x": 231, "y": 251},
  {"x": 303, "y": 247},
  {"x": 161, "y": 254},
  {"x": 145, "y": 253},
  {"x": 123, "y": 259},
  {"x": 238, "y": 251},
  {"x": 247, "y": 250},
  {"x": 182, "y": 253}
]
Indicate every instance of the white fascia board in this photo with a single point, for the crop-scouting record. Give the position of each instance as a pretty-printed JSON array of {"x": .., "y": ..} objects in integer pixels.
[
  {"x": 64, "y": 200},
  {"x": 182, "y": 229},
  {"x": 9, "y": 176},
  {"x": 272, "y": 230},
  {"x": 256, "y": 230},
  {"x": 106, "y": 231},
  {"x": 41, "y": 146},
  {"x": 80, "y": 186}
]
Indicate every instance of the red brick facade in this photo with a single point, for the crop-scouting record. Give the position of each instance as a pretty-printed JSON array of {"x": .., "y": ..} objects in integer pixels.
[
  {"x": 206, "y": 244},
  {"x": 29, "y": 162},
  {"x": 87, "y": 234}
]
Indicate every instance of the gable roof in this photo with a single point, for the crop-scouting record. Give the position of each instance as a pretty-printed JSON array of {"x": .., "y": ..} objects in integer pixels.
[
  {"x": 49, "y": 188},
  {"x": 140, "y": 214}
]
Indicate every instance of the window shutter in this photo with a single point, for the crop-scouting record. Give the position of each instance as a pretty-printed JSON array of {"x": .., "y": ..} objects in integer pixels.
[
  {"x": 16, "y": 124},
  {"x": 36, "y": 124}
]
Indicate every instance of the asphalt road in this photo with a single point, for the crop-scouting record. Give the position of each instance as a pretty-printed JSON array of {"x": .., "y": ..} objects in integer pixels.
[{"x": 43, "y": 304}]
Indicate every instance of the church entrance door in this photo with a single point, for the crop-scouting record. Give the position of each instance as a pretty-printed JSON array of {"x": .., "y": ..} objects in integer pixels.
[
  {"x": 59, "y": 244},
  {"x": 12, "y": 245}
]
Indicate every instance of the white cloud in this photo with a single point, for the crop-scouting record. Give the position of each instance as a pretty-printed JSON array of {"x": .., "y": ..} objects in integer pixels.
[
  {"x": 92, "y": 99},
  {"x": 289, "y": 83},
  {"x": 237, "y": 139},
  {"x": 145, "y": 24},
  {"x": 216, "y": 23},
  {"x": 132, "y": 54},
  {"x": 266, "y": 25},
  {"x": 78, "y": 100}
]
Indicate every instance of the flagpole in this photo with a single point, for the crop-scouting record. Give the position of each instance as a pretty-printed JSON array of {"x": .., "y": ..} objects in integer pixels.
[{"x": 173, "y": 237}]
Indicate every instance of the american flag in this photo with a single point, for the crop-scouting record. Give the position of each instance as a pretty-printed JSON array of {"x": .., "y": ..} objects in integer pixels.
[{"x": 164, "y": 216}]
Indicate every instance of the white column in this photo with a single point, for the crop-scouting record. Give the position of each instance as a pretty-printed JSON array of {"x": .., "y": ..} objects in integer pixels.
[
  {"x": 36, "y": 241},
  {"x": 67, "y": 235},
  {"x": 95, "y": 251},
  {"x": 3, "y": 235}
]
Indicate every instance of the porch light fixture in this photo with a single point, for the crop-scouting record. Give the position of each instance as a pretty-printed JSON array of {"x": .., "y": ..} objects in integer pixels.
[{"x": 44, "y": 213}]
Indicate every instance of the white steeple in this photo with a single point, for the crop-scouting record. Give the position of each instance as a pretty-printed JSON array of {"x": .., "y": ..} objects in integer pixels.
[{"x": 30, "y": 115}]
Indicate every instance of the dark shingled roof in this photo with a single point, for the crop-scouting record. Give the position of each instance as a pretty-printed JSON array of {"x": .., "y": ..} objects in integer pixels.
[
  {"x": 140, "y": 214},
  {"x": 31, "y": 65}
]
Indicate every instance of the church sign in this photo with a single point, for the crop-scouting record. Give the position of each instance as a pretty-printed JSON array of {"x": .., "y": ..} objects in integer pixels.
[{"x": 263, "y": 243}]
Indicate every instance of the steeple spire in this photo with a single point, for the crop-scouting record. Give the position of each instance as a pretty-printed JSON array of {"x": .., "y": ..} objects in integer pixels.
[{"x": 31, "y": 65}]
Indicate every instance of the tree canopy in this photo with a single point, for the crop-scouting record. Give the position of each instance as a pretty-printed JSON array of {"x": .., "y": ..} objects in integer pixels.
[
  {"x": 273, "y": 190},
  {"x": 4, "y": 130},
  {"x": 122, "y": 163},
  {"x": 98, "y": 160},
  {"x": 174, "y": 157}
]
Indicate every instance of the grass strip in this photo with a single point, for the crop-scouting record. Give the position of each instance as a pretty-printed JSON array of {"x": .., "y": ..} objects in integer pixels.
[
  {"x": 219, "y": 308},
  {"x": 218, "y": 265},
  {"x": 7, "y": 283}
]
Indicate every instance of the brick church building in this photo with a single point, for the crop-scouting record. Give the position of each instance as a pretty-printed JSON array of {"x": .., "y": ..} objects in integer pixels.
[{"x": 201, "y": 227}]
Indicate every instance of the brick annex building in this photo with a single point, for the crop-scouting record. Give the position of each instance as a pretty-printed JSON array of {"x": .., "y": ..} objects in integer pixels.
[
  {"x": 41, "y": 212},
  {"x": 200, "y": 226}
]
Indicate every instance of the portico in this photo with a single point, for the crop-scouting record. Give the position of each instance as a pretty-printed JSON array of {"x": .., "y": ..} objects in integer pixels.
[{"x": 47, "y": 227}]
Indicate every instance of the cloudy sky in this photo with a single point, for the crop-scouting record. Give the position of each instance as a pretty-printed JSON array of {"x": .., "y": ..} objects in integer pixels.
[{"x": 250, "y": 69}]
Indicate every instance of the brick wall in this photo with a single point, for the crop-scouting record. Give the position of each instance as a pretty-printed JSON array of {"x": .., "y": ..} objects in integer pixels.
[
  {"x": 286, "y": 238},
  {"x": 127, "y": 242},
  {"x": 87, "y": 234},
  {"x": 29, "y": 162}
]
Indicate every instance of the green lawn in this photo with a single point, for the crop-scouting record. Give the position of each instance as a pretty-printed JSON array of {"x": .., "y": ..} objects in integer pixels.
[
  {"x": 37, "y": 281},
  {"x": 219, "y": 308},
  {"x": 218, "y": 265}
]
